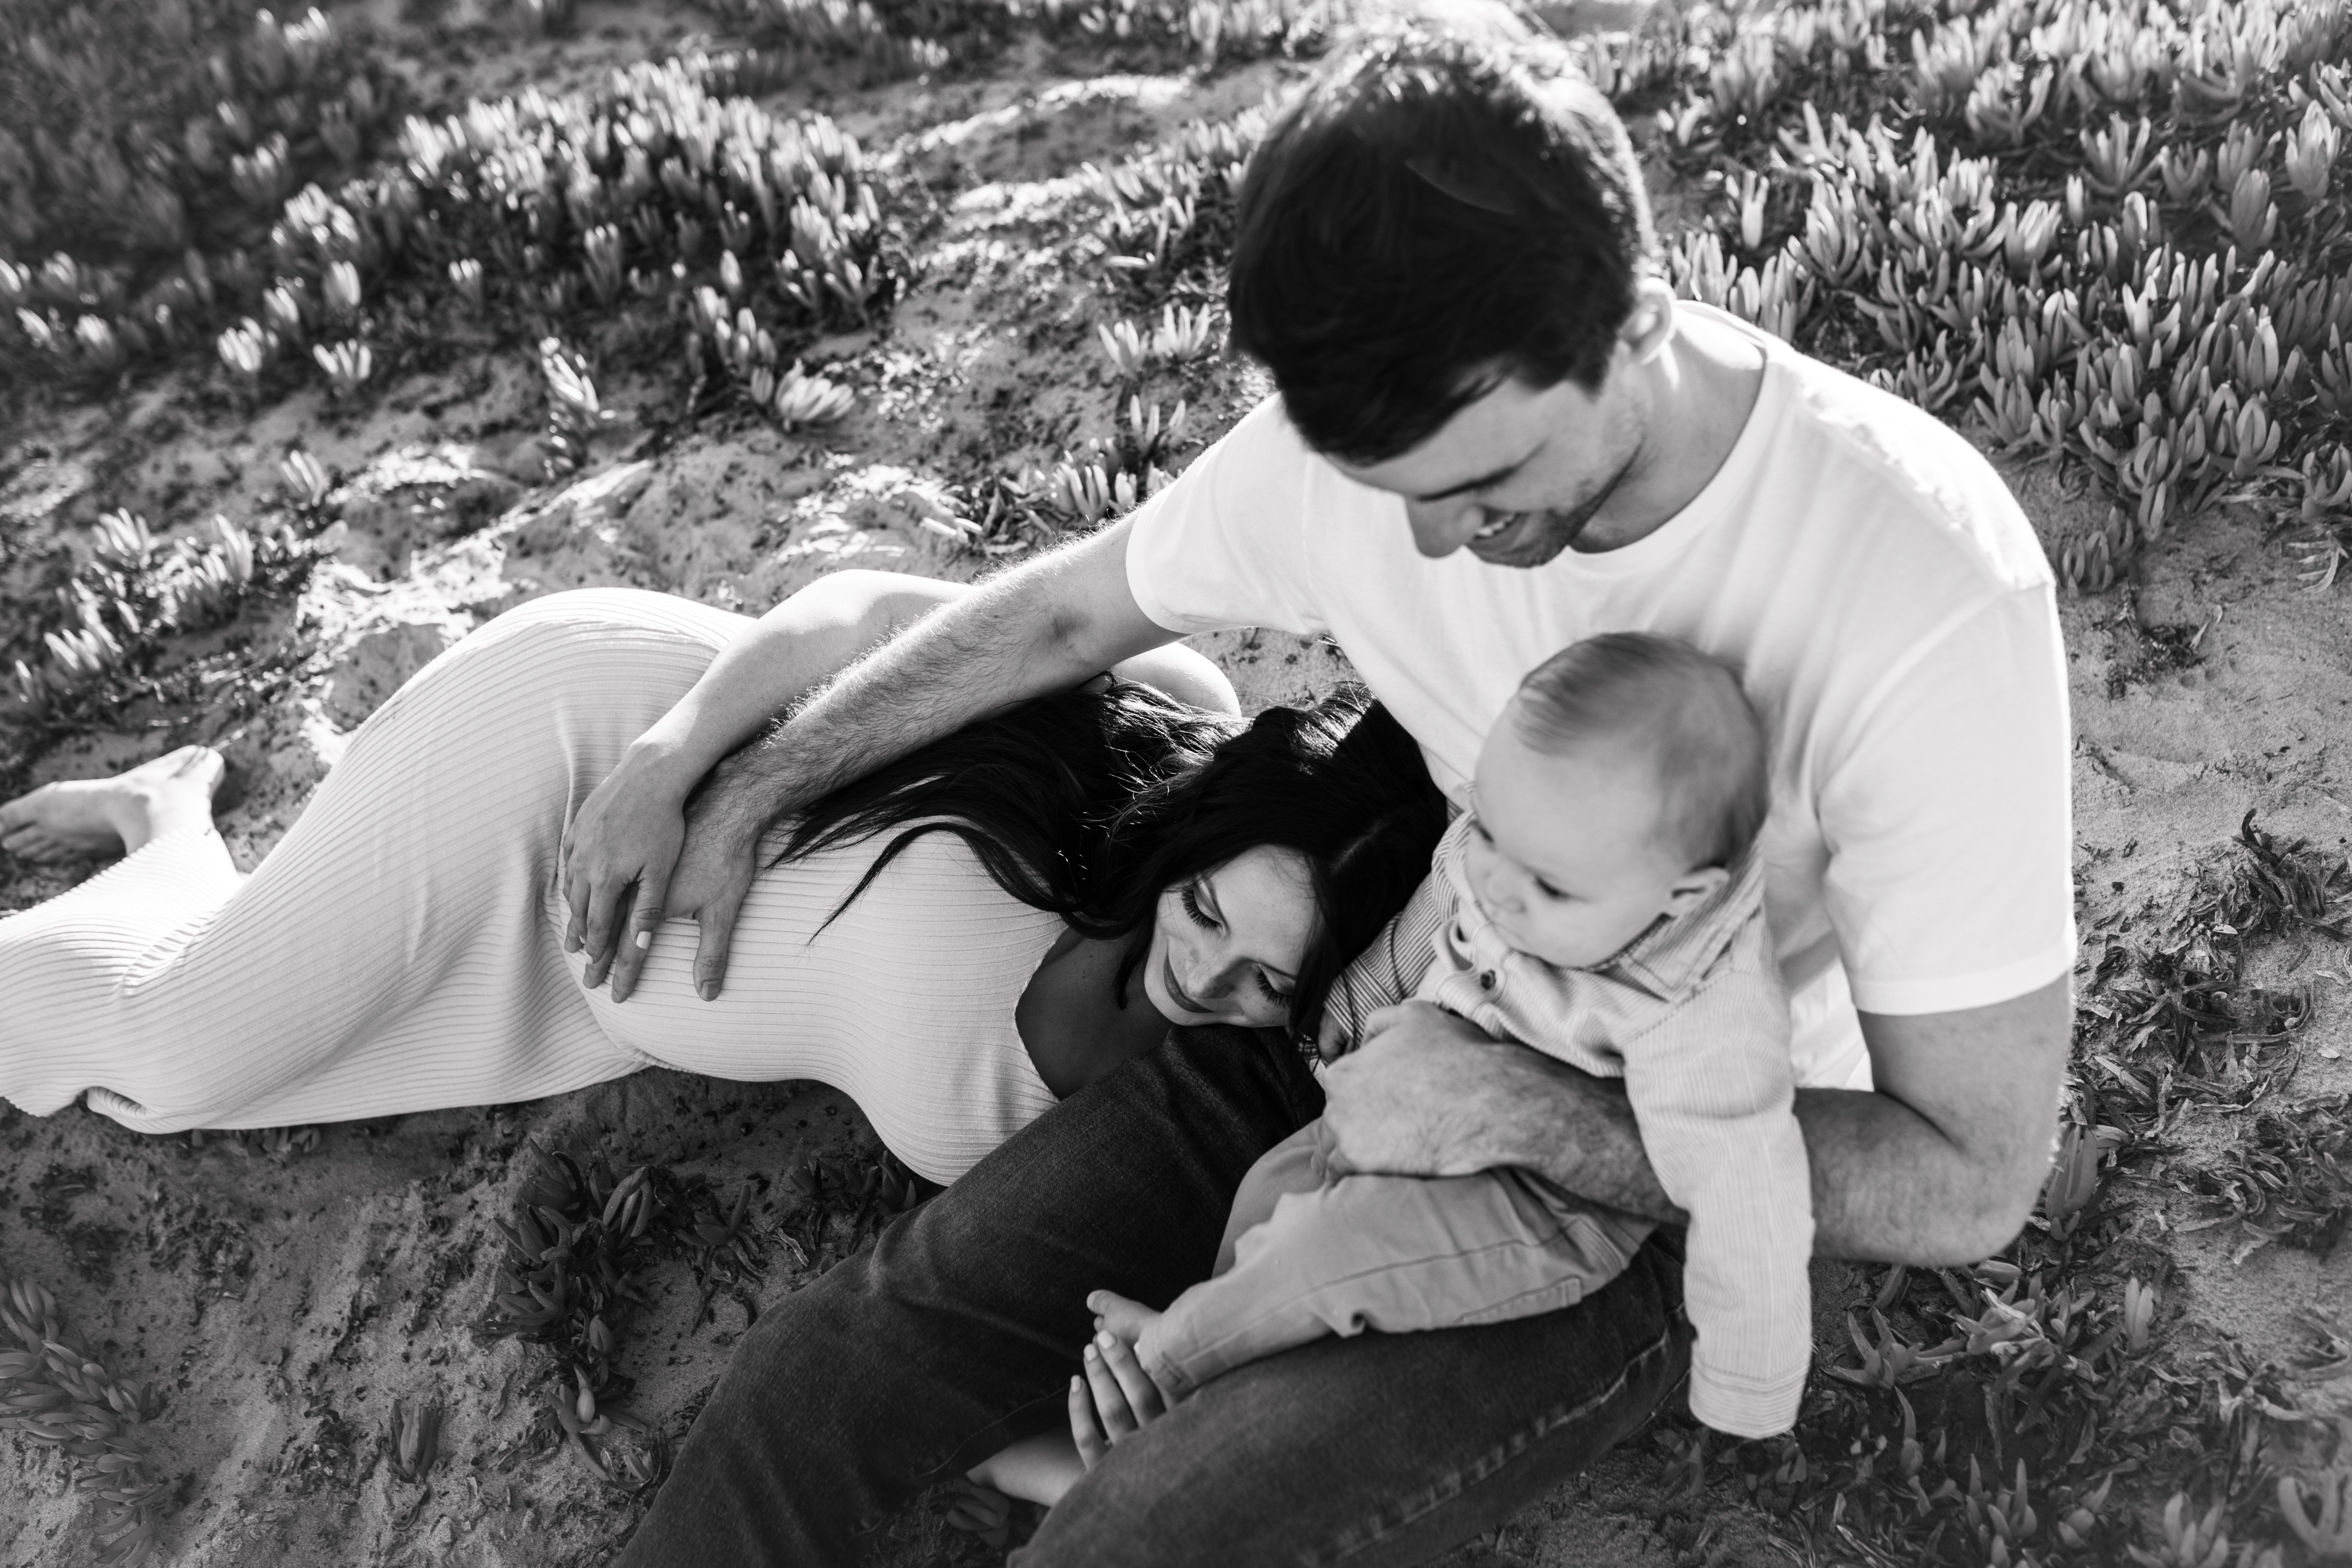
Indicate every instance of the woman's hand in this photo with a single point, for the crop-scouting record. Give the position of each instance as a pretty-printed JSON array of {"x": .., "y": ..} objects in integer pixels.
[
  {"x": 619, "y": 854},
  {"x": 1113, "y": 1401}
]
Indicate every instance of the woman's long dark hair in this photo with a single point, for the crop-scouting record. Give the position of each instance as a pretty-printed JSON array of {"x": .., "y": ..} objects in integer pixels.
[{"x": 1087, "y": 804}]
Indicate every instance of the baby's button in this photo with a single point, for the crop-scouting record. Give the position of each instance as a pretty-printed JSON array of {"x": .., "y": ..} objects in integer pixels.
[{"x": 1488, "y": 979}]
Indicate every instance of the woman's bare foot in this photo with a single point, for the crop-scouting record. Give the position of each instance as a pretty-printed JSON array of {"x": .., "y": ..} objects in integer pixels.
[{"x": 76, "y": 818}]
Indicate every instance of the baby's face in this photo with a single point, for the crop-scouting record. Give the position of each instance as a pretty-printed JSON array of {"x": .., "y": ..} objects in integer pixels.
[{"x": 1564, "y": 855}]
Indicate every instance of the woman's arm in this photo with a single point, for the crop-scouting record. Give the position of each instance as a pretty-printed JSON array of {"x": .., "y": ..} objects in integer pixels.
[
  {"x": 779, "y": 658},
  {"x": 636, "y": 815}
]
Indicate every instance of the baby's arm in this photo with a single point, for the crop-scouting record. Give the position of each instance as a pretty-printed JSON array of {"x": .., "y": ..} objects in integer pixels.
[
  {"x": 1713, "y": 1092},
  {"x": 1387, "y": 972}
]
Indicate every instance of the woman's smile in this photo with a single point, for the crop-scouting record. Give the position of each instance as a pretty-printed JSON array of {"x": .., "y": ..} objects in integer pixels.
[{"x": 1176, "y": 992}]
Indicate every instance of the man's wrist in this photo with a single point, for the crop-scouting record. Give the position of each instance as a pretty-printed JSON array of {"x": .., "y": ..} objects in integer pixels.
[
  {"x": 743, "y": 793},
  {"x": 1578, "y": 1130}
]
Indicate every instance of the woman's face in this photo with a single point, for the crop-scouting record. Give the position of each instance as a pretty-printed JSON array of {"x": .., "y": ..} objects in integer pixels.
[{"x": 1226, "y": 946}]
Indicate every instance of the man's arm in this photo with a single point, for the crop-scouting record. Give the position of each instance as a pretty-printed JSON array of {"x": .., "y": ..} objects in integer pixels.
[
  {"x": 1049, "y": 623},
  {"x": 1940, "y": 1164}
]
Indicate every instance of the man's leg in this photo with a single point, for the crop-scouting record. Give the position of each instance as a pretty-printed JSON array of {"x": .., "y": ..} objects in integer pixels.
[
  {"x": 959, "y": 1330},
  {"x": 1383, "y": 1448}
]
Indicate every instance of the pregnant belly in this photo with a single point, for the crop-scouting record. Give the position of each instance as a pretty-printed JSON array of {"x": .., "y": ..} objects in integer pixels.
[{"x": 904, "y": 1001}]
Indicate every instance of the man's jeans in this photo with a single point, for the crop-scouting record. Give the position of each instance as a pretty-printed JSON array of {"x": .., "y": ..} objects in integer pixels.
[{"x": 959, "y": 1331}]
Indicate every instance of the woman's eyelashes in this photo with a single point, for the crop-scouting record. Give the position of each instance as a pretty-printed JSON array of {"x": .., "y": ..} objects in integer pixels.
[{"x": 1190, "y": 895}]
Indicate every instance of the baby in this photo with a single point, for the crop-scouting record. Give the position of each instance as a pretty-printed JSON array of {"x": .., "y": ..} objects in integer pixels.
[{"x": 1601, "y": 904}]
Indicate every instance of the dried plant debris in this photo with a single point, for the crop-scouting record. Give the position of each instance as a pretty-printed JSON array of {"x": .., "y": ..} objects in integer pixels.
[
  {"x": 55, "y": 1392},
  {"x": 2143, "y": 651},
  {"x": 2282, "y": 1179},
  {"x": 2173, "y": 1017},
  {"x": 2274, "y": 887},
  {"x": 280, "y": 1143},
  {"x": 2158, "y": 1024}
]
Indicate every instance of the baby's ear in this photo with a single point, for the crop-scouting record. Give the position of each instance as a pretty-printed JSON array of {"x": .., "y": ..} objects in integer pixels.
[{"x": 1693, "y": 888}]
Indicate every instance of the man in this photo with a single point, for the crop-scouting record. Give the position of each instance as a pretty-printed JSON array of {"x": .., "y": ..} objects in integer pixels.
[{"x": 1496, "y": 434}]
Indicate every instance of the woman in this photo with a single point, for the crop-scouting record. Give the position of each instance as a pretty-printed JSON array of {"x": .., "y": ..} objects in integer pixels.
[{"x": 1056, "y": 887}]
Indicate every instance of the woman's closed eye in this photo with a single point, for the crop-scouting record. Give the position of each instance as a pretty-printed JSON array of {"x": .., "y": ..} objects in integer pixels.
[{"x": 1189, "y": 895}]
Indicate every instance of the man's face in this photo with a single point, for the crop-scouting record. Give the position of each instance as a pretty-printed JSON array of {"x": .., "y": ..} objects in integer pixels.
[{"x": 1518, "y": 475}]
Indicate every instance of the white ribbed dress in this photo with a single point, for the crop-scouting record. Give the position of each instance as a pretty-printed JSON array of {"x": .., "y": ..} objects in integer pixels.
[{"x": 401, "y": 950}]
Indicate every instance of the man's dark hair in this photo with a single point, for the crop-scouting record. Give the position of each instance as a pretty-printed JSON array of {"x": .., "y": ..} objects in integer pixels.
[{"x": 1438, "y": 212}]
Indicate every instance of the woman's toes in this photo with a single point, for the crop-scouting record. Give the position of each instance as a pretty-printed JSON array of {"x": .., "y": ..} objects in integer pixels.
[
  {"x": 199, "y": 764},
  {"x": 34, "y": 847}
]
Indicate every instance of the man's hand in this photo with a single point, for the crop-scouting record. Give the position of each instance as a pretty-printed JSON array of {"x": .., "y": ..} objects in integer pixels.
[
  {"x": 715, "y": 867},
  {"x": 1426, "y": 1095}
]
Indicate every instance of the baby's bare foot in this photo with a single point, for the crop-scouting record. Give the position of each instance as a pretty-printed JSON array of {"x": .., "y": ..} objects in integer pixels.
[
  {"x": 1118, "y": 1317},
  {"x": 1129, "y": 1332},
  {"x": 76, "y": 818}
]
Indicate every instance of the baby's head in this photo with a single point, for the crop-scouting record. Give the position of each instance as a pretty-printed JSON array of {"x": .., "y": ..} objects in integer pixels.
[{"x": 1622, "y": 781}]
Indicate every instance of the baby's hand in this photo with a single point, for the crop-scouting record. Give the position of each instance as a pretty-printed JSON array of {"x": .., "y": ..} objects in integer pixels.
[
  {"x": 1419, "y": 1021},
  {"x": 1332, "y": 1040},
  {"x": 1116, "y": 1397}
]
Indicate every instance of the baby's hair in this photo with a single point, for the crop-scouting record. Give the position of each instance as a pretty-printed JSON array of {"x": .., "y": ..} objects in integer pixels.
[{"x": 1675, "y": 706}]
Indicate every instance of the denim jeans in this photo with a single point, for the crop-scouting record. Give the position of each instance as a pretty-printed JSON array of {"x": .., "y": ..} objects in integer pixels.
[{"x": 958, "y": 1330}]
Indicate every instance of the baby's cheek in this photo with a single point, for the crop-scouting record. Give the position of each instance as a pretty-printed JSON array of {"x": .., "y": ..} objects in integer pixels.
[{"x": 1559, "y": 937}]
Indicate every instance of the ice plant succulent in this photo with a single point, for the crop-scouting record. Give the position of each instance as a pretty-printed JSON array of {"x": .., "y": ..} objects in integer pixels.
[
  {"x": 347, "y": 366},
  {"x": 415, "y": 1440},
  {"x": 2328, "y": 1537}
]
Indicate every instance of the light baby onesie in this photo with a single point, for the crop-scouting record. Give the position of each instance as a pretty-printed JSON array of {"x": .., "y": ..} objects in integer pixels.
[{"x": 1691, "y": 1015}]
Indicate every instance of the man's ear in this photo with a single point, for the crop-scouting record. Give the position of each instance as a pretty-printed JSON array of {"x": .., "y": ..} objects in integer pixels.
[
  {"x": 1694, "y": 888},
  {"x": 1652, "y": 321}
]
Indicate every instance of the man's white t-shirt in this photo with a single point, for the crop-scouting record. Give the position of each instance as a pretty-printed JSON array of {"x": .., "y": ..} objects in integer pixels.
[{"x": 1891, "y": 610}]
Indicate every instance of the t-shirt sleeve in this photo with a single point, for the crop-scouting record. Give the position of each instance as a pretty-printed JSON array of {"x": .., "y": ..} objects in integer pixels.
[
  {"x": 1225, "y": 545},
  {"x": 1948, "y": 819}
]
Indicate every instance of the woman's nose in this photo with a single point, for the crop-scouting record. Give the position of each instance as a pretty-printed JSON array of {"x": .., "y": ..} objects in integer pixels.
[{"x": 1213, "y": 984}]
